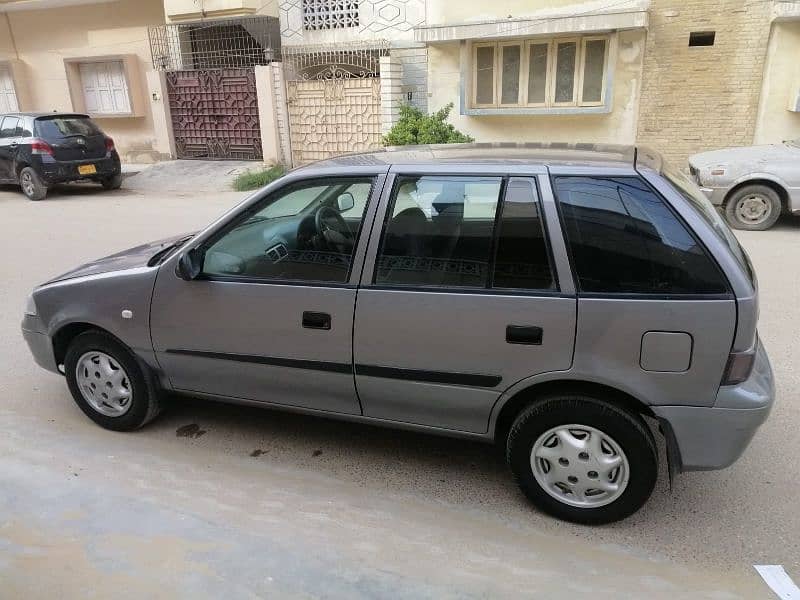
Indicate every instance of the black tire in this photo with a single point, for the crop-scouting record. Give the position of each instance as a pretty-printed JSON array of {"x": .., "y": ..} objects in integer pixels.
[
  {"x": 144, "y": 401},
  {"x": 112, "y": 183},
  {"x": 734, "y": 212},
  {"x": 628, "y": 430},
  {"x": 31, "y": 184}
]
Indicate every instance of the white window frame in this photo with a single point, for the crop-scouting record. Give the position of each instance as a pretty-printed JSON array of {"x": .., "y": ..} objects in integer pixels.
[
  {"x": 550, "y": 81},
  {"x": 526, "y": 71},
  {"x": 474, "y": 67},
  {"x": 499, "y": 71},
  {"x": 118, "y": 92},
  {"x": 582, "y": 69}
]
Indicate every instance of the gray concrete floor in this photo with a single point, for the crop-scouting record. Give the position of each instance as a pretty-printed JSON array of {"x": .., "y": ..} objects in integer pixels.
[{"x": 267, "y": 504}]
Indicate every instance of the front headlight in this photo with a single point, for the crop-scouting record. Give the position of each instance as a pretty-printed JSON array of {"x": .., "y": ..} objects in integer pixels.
[{"x": 30, "y": 306}]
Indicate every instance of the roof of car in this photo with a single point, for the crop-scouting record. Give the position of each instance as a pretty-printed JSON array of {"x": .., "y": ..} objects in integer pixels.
[
  {"x": 499, "y": 153},
  {"x": 37, "y": 115}
]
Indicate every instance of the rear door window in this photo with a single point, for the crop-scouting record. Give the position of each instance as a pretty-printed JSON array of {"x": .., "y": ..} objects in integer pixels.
[
  {"x": 624, "y": 239},
  {"x": 60, "y": 127}
]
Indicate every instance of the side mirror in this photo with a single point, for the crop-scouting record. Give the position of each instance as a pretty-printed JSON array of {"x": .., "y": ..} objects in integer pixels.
[
  {"x": 190, "y": 264},
  {"x": 345, "y": 202}
]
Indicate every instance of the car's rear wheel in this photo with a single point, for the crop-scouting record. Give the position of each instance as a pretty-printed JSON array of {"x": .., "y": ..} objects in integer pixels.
[
  {"x": 31, "y": 184},
  {"x": 112, "y": 183},
  {"x": 582, "y": 459},
  {"x": 753, "y": 207},
  {"x": 109, "y": 384}
]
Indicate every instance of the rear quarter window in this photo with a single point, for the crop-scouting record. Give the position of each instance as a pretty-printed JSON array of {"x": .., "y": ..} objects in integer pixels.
[{"x": 624, "y": 239}]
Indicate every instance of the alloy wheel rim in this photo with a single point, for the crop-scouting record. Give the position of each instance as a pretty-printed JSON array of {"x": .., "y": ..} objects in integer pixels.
[
  {"x": 580, "y": 466},
  {"x": 104, "y": 384},
  {"x": 753, "y": 209},
  {"x": 27, "y": 184}
]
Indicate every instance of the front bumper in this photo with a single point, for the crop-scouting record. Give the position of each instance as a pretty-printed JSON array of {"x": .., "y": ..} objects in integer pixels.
[
  {"x": 716, "y": 195},
  {"x": 40, "y": 344},
  {"x": 708, "y": 438}
]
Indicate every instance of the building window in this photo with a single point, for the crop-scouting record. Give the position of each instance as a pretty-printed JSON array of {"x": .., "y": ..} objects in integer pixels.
[
  {"x": 105, "y": 88},
  {"x": 329, "y": 14},
  {"x": 540, "y": 73}
]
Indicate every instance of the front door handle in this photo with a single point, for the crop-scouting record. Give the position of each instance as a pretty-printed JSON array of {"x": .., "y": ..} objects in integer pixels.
[
  {"x": 316, "y": 320},
  {"x": 530, "y": 335}
]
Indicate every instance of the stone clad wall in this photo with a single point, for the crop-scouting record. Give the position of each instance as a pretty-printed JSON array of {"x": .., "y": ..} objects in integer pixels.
[{"x": 700, "y": 98}]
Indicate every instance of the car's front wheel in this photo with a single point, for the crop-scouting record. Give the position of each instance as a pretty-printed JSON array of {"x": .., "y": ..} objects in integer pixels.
[
  {"x": 582, "y": 459},
  {"x": 32, "y": 185},
  {"x": 753, "y": 207},
  {"x": 109, "y": 384}
]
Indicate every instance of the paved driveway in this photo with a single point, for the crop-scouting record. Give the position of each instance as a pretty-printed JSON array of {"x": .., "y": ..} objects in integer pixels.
[{"x": 212, "y": 498}]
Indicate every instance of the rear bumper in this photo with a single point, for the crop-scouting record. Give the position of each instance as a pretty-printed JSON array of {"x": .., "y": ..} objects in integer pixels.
[
  {"x": 53, "y": 171},
  {"x": 708, "y": 438}
]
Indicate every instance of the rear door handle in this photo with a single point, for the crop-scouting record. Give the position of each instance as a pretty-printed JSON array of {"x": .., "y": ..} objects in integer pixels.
[
  {"x": 530, "y": 335},
  {"x": 316, "y": 320}
]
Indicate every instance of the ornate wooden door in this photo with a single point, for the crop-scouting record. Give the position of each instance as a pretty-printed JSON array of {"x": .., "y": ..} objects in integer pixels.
[{"x": 215, "y": 114}]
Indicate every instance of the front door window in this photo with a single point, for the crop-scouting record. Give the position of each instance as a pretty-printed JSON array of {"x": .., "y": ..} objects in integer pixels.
[{"x": 306, "y": 231}]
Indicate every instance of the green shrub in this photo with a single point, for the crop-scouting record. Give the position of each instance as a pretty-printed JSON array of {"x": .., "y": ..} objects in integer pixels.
[
  {"x": 252, "y": 180},
  {"x": 415, "y": 127}
]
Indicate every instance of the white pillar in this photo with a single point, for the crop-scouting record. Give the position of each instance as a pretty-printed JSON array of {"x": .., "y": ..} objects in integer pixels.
[
  {"x": 164, "y": 142},
  {"x": 391, "y": 91}
]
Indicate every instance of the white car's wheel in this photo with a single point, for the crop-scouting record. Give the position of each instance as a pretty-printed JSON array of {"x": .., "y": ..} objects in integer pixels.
[{"x": 753, "y": 207}]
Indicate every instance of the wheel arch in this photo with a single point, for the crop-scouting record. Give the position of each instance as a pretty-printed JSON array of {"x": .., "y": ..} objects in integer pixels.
[
  {"x": 522, "y": 398},
  {"x": 63, "y": 337},
  {"x": 766, "y": 181}
]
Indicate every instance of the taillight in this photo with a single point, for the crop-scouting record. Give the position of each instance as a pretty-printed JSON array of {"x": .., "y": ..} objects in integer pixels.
[
  {"x": 41, "y": 147},
  {"x": 109, "y": 144},
  {"x": 739, "y": 366}
]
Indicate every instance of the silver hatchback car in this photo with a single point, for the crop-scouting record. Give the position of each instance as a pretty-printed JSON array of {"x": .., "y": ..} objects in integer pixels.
[{"x": 546, "y": 298}]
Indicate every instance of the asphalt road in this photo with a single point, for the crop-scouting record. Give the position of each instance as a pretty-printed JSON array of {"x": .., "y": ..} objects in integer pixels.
[{"x": 214, "y": 499}]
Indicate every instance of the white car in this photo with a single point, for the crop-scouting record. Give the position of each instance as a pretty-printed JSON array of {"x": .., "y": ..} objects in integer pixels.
[{"x": 753, "y": 184}]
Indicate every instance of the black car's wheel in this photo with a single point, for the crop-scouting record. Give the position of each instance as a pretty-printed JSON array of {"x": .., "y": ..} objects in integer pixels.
[
  {"x": 109, "y": 384},
  {"x": 112, "y": 183},
  {"x": 753, "y": 207},
  {"x": 582, "y": 459},
  {"x": 31, "y": 184}
]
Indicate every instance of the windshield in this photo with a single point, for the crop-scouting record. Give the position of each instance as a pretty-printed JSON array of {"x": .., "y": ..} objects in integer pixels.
[
  {"x": 61, "y": 127},
  {"x": 706, "y": 210}
]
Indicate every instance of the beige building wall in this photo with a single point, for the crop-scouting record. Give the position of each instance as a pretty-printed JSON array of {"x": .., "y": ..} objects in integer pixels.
[
  {"x": 617, "y": 126},
  {"x": 45, "y": 38},
  {"x": 781, "y": 87},
  {"x": 699, "y": 98}
]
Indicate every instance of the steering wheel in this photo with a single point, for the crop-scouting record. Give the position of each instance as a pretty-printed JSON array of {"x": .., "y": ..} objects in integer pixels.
[{"x": 332, "y": 228}]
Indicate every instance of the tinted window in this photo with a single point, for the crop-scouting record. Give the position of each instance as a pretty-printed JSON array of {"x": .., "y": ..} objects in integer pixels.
[
  {"x": 702, "y": 205},
  {"x": 299, "y": 233},
  {"x": 623, "y": 238},
  {"x": 439, "y": 231},
  {"x": 11, "y": 127},
  {"x": 59, "y": 127},
  {"x": 522, "y": 260}
]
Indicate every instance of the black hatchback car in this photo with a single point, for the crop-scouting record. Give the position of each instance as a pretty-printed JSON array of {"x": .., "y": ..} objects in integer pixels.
[{"x": 38, "y": 150}]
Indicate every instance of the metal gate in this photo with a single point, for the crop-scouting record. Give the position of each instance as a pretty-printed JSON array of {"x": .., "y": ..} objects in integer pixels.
[
  {"x": 328, "y": 117},
  {"x": 215, "y": 113}
]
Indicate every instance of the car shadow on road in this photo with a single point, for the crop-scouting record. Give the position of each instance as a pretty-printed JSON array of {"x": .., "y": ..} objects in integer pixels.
[
  {"x": 465, "y": 473},
  {"x": 70, "y": 191}
]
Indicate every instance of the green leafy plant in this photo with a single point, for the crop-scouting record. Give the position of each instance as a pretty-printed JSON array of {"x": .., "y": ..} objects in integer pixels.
[
  {"x": 252, "y": 180},
  {"x": 415, "y": 127}
]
